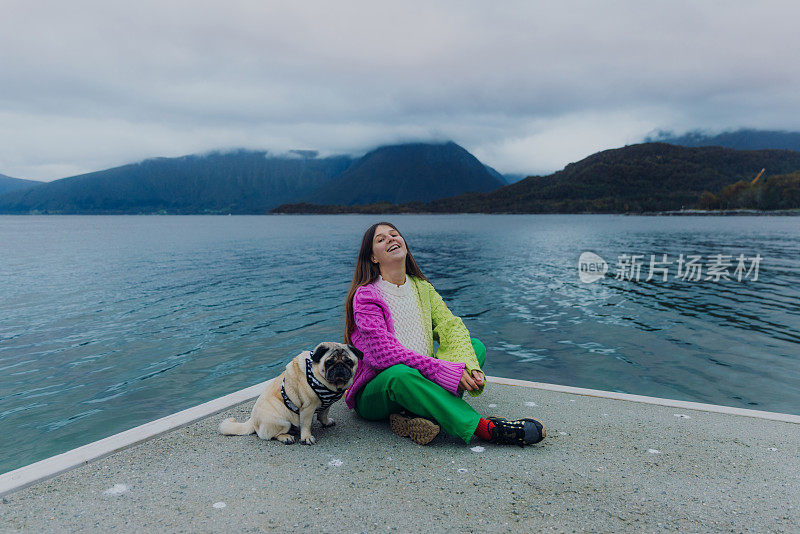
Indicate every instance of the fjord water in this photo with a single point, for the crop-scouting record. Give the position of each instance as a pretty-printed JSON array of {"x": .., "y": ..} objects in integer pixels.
[{"x": 109, "y": 322}]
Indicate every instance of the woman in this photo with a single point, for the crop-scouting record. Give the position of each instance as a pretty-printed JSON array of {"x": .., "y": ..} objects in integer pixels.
[{"x": 393, "y": 317}]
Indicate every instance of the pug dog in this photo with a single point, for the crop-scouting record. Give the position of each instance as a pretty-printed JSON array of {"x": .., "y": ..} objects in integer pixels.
[{"x": 311, "y": 383}]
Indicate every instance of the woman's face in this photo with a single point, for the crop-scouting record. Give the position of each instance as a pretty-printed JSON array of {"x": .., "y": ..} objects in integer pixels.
[{"x": 388, "y": 245}]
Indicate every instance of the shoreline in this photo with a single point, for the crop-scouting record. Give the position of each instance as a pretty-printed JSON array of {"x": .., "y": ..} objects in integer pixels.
[
  {"x": 669, "y": 213},
  {"x": 722, "y": 213}
]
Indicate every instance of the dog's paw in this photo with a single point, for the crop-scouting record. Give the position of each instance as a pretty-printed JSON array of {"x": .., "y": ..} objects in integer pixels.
[
  {"x": 286, "y": 439},
  {"x": 329, "y": 422},
  {"x": 310, "y": 440}
]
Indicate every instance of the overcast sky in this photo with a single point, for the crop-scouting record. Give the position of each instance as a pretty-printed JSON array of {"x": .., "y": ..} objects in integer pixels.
[{"x": 525, "y": 86}]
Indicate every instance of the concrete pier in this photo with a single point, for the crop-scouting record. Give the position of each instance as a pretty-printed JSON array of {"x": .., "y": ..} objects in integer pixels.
[{"x": 610, "y": 463}]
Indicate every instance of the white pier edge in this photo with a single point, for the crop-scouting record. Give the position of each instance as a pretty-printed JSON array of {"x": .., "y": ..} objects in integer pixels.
[
  {"x": 55, "y": 465},
  {"x": 773, "y": 416}
]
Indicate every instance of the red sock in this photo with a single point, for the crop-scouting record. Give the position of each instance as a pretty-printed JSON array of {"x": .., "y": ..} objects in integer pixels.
[{"x": 484, "y": 430}]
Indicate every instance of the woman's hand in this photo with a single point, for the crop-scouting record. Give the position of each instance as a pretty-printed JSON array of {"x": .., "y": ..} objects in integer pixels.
[
  {"x": 479, "y": 378},
  {"x": 467, "y": 382}
]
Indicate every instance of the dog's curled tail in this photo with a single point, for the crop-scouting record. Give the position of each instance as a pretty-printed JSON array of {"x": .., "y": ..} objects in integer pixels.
[{"x": 230, "y": 427}]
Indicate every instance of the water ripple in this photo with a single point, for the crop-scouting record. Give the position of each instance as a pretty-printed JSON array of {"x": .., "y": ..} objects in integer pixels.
[{"x": 138, "y": 317}]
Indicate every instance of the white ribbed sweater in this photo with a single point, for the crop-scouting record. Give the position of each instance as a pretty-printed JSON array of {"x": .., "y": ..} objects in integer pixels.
[{"x": 406, "y": 315}]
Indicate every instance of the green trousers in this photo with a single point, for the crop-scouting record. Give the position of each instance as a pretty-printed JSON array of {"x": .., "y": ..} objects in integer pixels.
[{"x": 402, "y": 387}]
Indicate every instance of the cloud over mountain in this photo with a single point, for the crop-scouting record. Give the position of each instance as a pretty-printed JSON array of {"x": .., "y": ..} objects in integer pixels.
[{"x": 526, "y": 87}]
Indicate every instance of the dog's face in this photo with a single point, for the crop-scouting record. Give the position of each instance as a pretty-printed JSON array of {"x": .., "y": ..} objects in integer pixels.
[{"x": 336, "y": 363}]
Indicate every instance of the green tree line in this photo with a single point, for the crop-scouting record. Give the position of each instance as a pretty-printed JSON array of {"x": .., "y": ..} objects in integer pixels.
[{"x": 781, "y": 192}]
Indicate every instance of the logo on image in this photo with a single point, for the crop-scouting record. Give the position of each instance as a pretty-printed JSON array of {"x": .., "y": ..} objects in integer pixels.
[
  {"x": 591, "y": 267},
  {"x": 688, "y": 267}
]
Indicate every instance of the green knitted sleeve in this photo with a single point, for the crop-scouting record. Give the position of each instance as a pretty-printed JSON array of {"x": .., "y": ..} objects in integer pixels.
[{"x": 451, "y": 334}]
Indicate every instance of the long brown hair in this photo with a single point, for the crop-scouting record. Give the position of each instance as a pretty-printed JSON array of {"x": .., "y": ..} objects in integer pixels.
[{"x": 367, "y": 272}]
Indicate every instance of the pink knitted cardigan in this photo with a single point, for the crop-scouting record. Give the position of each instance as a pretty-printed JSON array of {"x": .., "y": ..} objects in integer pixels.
[{"x": 374, "y": 335}]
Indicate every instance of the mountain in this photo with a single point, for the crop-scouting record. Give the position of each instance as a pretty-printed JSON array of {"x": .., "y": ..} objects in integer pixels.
[
  {"x": 635, "y": 178},
  {"x": 643, "y": 177},
  {"x": 513, "y": 178},
  {"x": 493, "y": 172},
  {"x": 256, "y": 181},
  {"x": 506, "y": 179},
  {"x": 407, "y": 173},
  {"x": 744, "y": 139},
  {"x": 8, "y": 183},
  {"x": 233, "y": 182}
]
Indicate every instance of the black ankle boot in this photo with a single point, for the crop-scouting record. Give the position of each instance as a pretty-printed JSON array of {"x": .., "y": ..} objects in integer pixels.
[{"x": 520, "y": 432}]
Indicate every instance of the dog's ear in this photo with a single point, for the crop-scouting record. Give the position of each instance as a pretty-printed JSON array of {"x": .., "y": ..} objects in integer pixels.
[
  {"x": 358, "y": 353},
  {"x": 319, "y": 353}
]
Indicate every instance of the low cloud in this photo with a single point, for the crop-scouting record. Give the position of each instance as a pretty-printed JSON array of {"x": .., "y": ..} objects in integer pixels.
[{"x": 526, "y": 87}]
